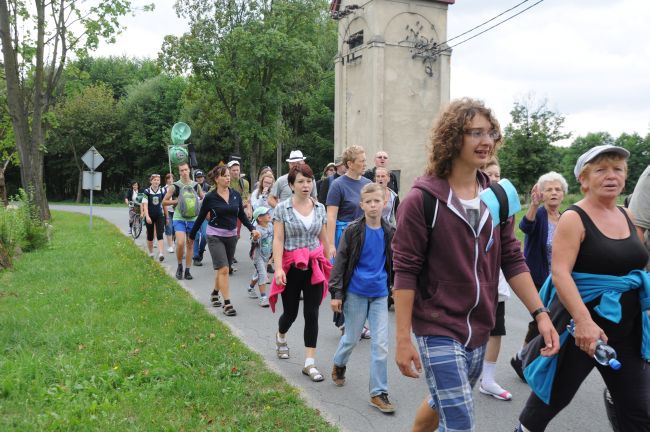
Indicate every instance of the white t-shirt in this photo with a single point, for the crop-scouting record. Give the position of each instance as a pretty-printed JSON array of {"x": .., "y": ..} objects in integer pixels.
[{"x": 306, "y": 220}]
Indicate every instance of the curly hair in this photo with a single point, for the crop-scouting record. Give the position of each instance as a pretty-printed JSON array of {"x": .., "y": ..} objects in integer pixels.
[{"x": 447, "y": 134}]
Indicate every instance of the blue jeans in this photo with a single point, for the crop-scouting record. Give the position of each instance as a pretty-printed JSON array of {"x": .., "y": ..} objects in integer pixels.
[
  {"x": 451, "y": 370},
  {"x": 375, "y": 309},
  {"x": 200, "y": 242}
]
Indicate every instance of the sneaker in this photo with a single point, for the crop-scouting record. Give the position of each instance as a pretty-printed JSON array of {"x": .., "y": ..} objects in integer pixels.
[
  {"x": 264, "y": 301},
  {"x": 365, "y": 333},
  {"x": 161, "y": 257},
  {"x": 496, "y": 391},
  {"x": 150, "y": 254},
  {"x": 188, "y": 276},
  {"x": 214, "y": 299},
  {"x": 516, "y": 364},
  {"x": 251, "y": 292},
  {"x": 338, "y": 376},
  {"x": 179, "y": 272},
  {"x": 196, "y": 263},
  {"x": 232, "y": 270},
  {"x": 170, "y": 249},
  {"x": 129, "y": 231},
  {"x": 382, "y": 403}
]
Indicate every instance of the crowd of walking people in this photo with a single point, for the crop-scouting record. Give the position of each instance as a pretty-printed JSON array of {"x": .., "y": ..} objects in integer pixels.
[{"x": 446, "y": 256}]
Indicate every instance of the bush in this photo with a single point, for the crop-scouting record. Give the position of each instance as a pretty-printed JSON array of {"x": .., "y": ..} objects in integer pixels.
[{"x": 20, "y": 229}]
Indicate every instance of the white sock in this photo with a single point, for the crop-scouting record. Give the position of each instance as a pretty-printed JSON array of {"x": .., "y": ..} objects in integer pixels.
[
  {"x": 488, "y": 373},
  {"x": 309, "y": 361},
  {"x": 281, "y": 339}
]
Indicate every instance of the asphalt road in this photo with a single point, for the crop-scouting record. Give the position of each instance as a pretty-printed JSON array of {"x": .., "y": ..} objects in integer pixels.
[{"x": 348, "y": 406}]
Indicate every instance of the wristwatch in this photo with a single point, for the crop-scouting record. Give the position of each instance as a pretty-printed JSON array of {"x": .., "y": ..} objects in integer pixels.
[{"x": 539, "y": 311}]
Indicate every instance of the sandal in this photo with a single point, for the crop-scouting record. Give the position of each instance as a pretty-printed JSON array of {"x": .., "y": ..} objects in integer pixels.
[
  {"x": 214, "y": 299},
  {"x": 281, "y": 349},
  {"x": 229, "y": 310},
  {"x": 312, "y": 373}
]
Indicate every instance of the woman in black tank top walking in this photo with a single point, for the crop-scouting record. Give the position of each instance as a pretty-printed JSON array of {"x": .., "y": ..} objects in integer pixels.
[{"x": 595, "y": 236}]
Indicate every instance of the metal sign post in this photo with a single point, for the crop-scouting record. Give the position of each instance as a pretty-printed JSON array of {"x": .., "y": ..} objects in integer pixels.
[{"x": 92, "y": 180}]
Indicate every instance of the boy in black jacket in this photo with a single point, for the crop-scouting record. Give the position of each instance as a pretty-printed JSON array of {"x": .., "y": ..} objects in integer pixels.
[{"x": 360, "y": 284}]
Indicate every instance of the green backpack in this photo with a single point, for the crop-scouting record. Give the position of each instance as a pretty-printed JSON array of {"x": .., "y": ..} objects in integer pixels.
[{"x": 188, "y": 200}]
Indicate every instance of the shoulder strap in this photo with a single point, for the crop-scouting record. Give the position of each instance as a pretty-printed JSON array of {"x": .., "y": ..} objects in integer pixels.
[
  {"x": 504, "y": 206},
  {"x": 430, "y": 204}
]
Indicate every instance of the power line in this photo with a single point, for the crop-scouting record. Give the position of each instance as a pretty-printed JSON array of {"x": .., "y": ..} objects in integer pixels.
[
  {"x": 486, "y": 22},
  {"x": 489, "y": 28}
]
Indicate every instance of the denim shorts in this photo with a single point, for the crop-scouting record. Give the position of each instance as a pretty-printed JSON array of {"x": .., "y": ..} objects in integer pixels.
[{"x": 183, "y": 226}]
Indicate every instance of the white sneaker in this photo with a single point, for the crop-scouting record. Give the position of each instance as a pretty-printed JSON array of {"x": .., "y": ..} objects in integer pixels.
[
  {"x": 264, "y": 301},
  {"x": 150, "y": 254},
  {"x": 251, "y": 292},
  {"x": 170, "y": 249}
]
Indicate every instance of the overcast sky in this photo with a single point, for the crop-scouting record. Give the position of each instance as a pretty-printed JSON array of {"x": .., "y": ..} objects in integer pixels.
[{"x": 589, "y": 58}]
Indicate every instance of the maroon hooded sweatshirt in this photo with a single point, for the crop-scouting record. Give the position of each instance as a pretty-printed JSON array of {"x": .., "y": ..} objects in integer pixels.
[{"x": 457, "y": 297}]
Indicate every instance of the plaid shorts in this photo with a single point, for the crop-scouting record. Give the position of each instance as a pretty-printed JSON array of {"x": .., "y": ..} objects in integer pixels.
[{"x": 451, "y": 371}]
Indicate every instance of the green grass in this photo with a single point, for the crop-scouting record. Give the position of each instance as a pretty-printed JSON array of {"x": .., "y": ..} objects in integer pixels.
[{"x": 95, "y": 336}]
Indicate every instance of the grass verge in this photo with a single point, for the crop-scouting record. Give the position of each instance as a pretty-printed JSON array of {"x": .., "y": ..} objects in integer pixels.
[{"x": 95, "y": 336}]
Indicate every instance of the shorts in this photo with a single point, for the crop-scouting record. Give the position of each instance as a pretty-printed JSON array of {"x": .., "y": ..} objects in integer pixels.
[
  {"x": 500, "y": 325},
  {"x": 222, "y": 250},
  {"x": 157, "y": 221},
  {"x": 183, "y": 226}
]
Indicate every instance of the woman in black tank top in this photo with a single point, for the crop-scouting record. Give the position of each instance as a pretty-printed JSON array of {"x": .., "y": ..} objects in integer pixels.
[{"x": 597, "y": 237}]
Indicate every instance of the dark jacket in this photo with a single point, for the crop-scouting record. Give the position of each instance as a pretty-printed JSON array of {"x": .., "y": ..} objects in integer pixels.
[
  {"x": 392, "y": 183},
  {"x": 349, "y": 251},
  {"x": 460, "y": 299},
  {"x": 222, "y": 214},
  {"x": 324, "y": 187},
  {"x": 535, "y": 245}
]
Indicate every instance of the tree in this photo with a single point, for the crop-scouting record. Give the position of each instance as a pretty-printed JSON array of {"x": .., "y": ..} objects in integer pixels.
[
  {"x": 527, "y": 152},
  {"x": 248, "y": 60},
  {"x": 82, "y": 121},
  {"x": 36, "y": 43}
]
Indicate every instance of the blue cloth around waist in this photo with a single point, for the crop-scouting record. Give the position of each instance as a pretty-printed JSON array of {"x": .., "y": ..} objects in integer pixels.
[{"x": 540, "y": 373}]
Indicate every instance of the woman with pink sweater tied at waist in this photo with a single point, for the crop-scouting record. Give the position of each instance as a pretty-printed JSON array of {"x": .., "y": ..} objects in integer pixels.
[{"x": 300, "y": 239}]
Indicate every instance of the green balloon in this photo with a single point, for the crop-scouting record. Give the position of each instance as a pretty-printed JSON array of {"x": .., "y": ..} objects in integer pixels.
[
  {"x": 177, "y": 154},
  {"x": 180, "y": 133}
]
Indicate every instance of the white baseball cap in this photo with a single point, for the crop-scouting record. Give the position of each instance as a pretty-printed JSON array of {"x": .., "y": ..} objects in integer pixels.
[
  {"x": 296, "y": 156},
  {"x": 233, "y": 162},
  {"x": 591, "y": 154}
]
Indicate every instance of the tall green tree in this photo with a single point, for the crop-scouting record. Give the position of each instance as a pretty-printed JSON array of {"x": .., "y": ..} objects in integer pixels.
[
  {"x": 527, "y": 152},
  {"x": 37, "y": 40},
  {"x": 86, "y": 119},
  {"x": 248, "y": 61}
]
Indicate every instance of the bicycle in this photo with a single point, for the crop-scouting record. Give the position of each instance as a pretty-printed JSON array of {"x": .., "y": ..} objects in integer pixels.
[{"x": 135, "y": 220}]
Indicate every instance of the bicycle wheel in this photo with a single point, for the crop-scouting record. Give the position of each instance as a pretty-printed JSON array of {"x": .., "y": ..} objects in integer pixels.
[{"x": 136, "y": 229}]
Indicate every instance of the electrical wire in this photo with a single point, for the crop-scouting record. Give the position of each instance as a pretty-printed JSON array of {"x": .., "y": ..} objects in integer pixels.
[
  {"x": 489, "y": 28},
  {"x": 486, "y": 22}
]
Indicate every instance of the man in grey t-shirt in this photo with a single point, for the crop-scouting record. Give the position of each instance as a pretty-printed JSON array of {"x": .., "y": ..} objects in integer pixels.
[
  {"x": 640, "y": 207},
  {"x": 281, "y": 189}
]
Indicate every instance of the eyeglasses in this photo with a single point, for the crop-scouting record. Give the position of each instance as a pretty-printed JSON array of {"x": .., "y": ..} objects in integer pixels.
[{"x": 479, "y": 133}]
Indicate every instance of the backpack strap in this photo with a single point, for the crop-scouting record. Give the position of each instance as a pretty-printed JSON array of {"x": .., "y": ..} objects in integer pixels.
[
  {"x": 430, "y": 204},
  {"x": 504, "y": 206}
]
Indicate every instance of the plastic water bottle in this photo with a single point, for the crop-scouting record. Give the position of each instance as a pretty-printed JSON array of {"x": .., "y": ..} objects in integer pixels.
[{"x": 605, "y": 354}]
